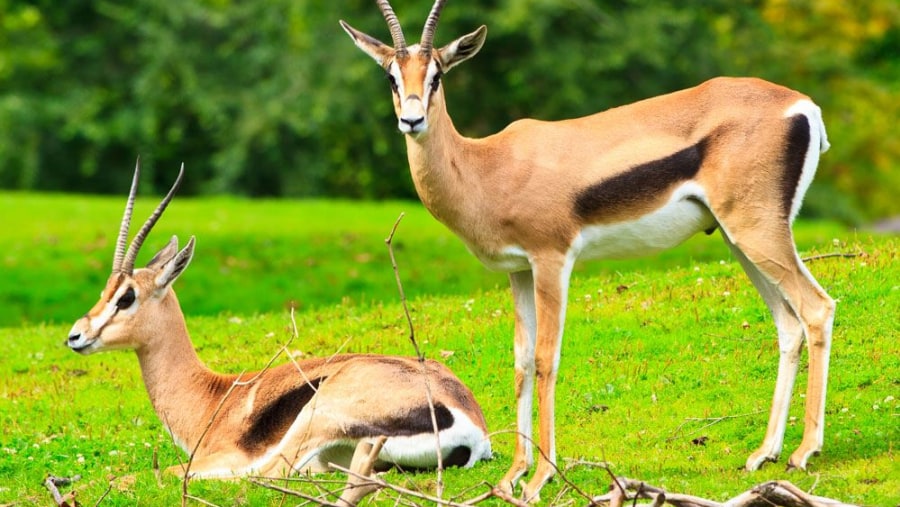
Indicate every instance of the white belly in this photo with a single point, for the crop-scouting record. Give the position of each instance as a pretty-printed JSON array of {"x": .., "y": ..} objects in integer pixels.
[
  {"x": 680, "y": 218},
  {"x": 684, "y": 215}
]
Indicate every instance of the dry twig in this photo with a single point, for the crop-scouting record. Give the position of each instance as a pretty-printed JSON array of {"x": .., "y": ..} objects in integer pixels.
[
  {"x": 52, "y": 483},
  {"x": 412, "y": 337},
  {"x": 834, "y": 254},
  {"x": 768, "y": 494}
]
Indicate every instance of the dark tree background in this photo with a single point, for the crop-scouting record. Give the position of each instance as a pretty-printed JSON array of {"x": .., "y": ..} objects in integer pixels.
[{"x": 270, "y": 97}]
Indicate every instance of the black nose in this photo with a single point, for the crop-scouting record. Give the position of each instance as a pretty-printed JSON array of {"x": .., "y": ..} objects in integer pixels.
[
  {"x": 412, "y": 122},
  {"x": 74, "y": 337}
]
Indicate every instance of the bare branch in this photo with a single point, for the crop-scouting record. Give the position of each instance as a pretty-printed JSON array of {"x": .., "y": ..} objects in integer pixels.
[
  {"x": 769, "y": 494},
  {"x": 412, "y": 337},
  {"x": 52, "y": 483},
  {"x": 712, "y": 421},
  {"x": 835, "y": 254}
]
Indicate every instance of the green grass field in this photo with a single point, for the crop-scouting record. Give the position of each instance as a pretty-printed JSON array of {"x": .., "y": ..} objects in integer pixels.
[{"x": 656, "y": 350}]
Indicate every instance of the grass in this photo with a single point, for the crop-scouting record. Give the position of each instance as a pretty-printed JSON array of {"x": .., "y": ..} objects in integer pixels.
[{"x": 655, "y": 350}]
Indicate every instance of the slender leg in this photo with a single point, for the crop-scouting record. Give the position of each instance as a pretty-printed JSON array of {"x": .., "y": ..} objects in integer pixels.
[
  {"x": 551, "y": 291},
  {"x": 818, "y": 332},
  {"x": 800, "y": 308},
  {"x": 522, "y": 285},
  {"x": 790, "y": 340}
]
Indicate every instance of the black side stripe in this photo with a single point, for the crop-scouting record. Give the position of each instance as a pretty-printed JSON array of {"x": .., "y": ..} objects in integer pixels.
[
  {"x": 415, "y": 422},
  {"x": 796, "y": 147},
  {"x": 633, "y": 185},
  {"x": 273, "y": 421}
]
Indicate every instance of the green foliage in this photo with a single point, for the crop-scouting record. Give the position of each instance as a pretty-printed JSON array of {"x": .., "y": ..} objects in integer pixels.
[
  {"x": 271, "y": 99},
  {"x": 651, "y": 357}
]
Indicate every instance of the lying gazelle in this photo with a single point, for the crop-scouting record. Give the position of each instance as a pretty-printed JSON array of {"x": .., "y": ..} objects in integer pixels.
[
  {"x": 298, "y": 416},
  {"x": 734, "y": 154}
]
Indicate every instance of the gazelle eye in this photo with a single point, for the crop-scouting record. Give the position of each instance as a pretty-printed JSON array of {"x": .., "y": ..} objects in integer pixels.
[
  {"x": 436, "y": 81},
  {"x": 126, "y": 300},
  {"x": 393, "y": 82}
]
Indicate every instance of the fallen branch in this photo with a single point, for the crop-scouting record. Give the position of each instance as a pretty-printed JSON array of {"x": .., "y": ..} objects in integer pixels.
[
  {"x": 834, "y": 254},
  {"x": 768, "y": 494},
  {"x": 52, "y": 483}
]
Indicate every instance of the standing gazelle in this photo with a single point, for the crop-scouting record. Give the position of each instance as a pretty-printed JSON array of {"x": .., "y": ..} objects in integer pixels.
[
  {"x": 734, "y": 154},
  {"x": 301, "y": 415}
]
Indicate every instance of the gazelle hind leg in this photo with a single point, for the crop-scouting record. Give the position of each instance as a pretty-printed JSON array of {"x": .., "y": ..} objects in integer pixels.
[
  {"x": 819, "y": 345},
  {"x": 779, "y": 271},
  {"x": 790, "y": 341},
  {"x": 522, "y": 285}
]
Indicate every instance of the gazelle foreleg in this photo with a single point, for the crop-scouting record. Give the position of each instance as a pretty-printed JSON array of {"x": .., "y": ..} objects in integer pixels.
[
  {"x": 551, "y": 276},
  {"x": 522, "y": 285}
]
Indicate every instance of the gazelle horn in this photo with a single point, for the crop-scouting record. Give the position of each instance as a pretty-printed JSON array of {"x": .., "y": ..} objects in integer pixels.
[
  {"x": 394, "y": 25},
  {"x": 128, "y": 263},
  {"x": 430, "y": 25},
  {"x": 122, "y": 241}
]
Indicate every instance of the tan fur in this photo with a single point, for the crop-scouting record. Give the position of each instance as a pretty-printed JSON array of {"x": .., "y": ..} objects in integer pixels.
[
  {"x": 514, "y": 198},
  {"x": 257, "y": 422}
]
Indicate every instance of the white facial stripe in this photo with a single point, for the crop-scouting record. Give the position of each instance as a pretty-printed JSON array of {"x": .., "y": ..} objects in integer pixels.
[
  {"x": 394, "y": 71},
  {"x": 433, "y": 70},
  {"x": 110, "y": 310}
]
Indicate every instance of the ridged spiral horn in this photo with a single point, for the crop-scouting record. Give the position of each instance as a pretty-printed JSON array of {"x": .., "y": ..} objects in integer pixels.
[
  {"x": 122, "y": 241},
  {"x": 430, "y": 26},
  {"x": 128, "y": 263},
  {"x": 393, "y": 25}
]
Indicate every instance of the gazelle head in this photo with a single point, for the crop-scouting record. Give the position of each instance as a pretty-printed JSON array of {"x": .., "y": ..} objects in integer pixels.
[
  {"x": 415, "y": 71},
  {"x": 127, "y": 313}
]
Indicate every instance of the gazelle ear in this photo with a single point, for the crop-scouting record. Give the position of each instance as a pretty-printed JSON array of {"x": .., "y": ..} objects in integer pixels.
[
  {"x": 371, "y": 46},
  {"x": 462, "y": 48},
  {"x": 172, "y": 268},
  {"x": 164, "y": 255}
]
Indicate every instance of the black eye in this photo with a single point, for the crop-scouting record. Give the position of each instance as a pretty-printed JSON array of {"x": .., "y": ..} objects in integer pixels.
[
  {"x": 436, "y": 82},
  {"x": 126, "y": 300},
  {"x": 392, "y": 81}
]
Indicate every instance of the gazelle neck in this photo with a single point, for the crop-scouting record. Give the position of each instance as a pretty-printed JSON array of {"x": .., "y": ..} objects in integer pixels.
[
  {"x": 442, "y": 168},
  {"x": 175, "y": 377}
]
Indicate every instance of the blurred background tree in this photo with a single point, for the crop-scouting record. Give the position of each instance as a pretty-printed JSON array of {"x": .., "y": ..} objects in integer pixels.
[{"x": 270, "y": 98}]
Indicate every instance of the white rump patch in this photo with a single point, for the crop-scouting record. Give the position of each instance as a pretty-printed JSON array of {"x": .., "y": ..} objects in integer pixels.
[{"x": 818, "y": 143}]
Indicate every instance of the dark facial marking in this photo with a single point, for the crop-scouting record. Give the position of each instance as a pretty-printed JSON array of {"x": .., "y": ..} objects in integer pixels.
[
  {"x": 436, "y": 81},
  {"x": 415, "y": 422},
  {"x": 126, "y": 300},
  {"x": 633, "y": 185},
  {"x": 392, "y": 81},
  {"x": 272, "y": 422},
  {"x": 796, "y": 146}
]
